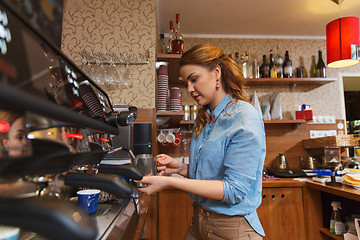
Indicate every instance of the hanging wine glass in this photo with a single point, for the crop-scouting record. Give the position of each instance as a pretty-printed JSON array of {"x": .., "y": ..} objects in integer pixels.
[
  {"x": 126, "y": 78},
  {"x": 112, "y": 75},
  {"x": 86, "y": 62},
  {"x": 99, "y": 71}
]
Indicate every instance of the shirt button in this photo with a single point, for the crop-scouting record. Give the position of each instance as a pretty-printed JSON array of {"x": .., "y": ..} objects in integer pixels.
[{"x": 209, "y": 234}]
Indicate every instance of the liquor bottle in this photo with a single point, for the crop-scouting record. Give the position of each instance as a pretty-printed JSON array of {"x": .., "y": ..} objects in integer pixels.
[
  {"x": 245, "y": 65},
  {"x": 171, "y": 37},
  {"x": 288, "y": 71},
  {"x": 273, "y": 71},
  {"x": 320, "y": 67},
  {"x": 248, "y": 66},
  {"x": 312, "y": 71},
  {"x": 279, "y": 62},
  {"x": 264, "y": 68},
  {"x": 256, "y": 69},
  {"x": 177, "y": 43},
  {"x": 162, "y": 43},
  {"x": 237, "y": 58},
  {"x": 241, "y": 62}
]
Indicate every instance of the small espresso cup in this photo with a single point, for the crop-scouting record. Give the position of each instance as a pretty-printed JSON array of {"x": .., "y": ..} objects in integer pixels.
[
  {"x": 161, "y": 137},
  {"x": 170, "y": 137},
  {"x": 88, "y": 199},
  {"x": 177, "y": 140}
]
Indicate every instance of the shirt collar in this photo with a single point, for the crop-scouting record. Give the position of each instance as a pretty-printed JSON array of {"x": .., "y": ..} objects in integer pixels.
[{"x": 221, "y": 106}]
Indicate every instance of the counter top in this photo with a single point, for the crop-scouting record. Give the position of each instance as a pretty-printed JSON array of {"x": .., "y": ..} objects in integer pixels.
[{"x": 343, "y": 191}]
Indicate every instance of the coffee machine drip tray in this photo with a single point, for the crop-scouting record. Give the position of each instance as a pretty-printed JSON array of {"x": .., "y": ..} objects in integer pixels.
[{"x": 109, "y": 215}]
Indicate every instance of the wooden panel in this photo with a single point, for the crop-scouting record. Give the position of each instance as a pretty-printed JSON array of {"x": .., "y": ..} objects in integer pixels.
[
  {"x": 175, "y": 213},
  {"x": 151, "y": 222},
  {"x": 281, "y": 214},
  {"x": 287, "y": 139},
  {"x": 312, "y": 213}
]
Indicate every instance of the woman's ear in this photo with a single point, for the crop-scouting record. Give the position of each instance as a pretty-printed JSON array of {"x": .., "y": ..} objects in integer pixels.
[{"x": 217, "y": 72}]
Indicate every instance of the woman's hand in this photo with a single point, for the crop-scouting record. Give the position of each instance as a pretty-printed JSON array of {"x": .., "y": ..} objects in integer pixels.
[
  {"x": 169, "y": 165},
  {"x": 154, "y": 184}
]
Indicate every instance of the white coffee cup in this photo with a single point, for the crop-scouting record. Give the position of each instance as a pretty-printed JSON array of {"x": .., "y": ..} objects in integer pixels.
[
  {"x": 161, "y": 137},
  {"x": 170, "y": 137}
]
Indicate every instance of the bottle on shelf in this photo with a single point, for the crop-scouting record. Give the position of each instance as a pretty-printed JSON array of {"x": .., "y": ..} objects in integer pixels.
[
  {"x": 256, "y": 69},
  {"x": 264, "y": 68},
  {"x": 247, "y": 66},
  {"x": 320, "y": 67},
  {"x": 312, "y": 71},
  {"x": 237, "y": 58},
  {"x": 288, "y": 71},
  {"x": 241, "y": 62},
  {"x": 273, "y": 71},
  {"x": 337, "y": 227},
  {"x": 171, "y": 37},
  {"x": 177, "y": 44},
  {"x": 162, "y": 43},
  {"x": 279, "y": 62}
]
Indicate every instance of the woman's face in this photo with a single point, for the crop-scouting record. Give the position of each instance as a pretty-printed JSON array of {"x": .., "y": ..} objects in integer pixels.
[
  {"x": 16, "y": 144},
  {"x": 201, "y": 83}
]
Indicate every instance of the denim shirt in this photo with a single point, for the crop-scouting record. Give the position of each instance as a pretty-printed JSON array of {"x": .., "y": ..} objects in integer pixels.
[{"x": 231, "y": 149}]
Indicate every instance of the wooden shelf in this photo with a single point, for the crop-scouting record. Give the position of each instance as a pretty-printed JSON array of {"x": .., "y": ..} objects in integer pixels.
[
  {"x": 166, "y": 57},
  {"x": 187, "y": 121},
  {"x": 293, "y": 121},
  {"x": 289, "y": 81},
  {"x": 173, "y": 68},
  {"x": 327, "y": 233}
]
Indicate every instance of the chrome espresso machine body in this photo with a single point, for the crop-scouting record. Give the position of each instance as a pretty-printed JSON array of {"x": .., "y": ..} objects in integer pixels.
[{"x": 55, "y": 128}]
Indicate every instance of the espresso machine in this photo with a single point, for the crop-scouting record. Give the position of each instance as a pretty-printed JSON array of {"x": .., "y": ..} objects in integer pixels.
[{"x": 55, "y": 128}]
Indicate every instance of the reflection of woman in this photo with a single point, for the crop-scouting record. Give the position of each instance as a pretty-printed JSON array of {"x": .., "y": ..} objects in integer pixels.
[
  {"x": 227, "y": 152},
  {"x": 14, "y": 142}
]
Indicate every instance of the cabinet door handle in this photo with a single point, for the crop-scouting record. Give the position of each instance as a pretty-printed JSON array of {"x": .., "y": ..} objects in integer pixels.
[
  {"x": 273, "y": 196},
  {"x": 282, "y": 195}
]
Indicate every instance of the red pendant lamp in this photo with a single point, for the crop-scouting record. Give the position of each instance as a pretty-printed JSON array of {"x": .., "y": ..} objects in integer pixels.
[{"x": 340, "y": 34}]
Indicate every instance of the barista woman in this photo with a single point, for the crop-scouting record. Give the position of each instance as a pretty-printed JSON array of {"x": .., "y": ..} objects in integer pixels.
[{"x": 227, "y": 152}]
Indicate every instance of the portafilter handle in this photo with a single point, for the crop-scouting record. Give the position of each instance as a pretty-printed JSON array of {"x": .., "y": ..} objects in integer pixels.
[
  {"x": 53, "y": 219},
  {"x": 110, "y": 183}
]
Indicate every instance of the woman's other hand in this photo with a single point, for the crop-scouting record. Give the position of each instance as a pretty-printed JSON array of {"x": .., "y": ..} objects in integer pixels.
[
  {"x": 154, "y": 184},
  {"x": 169, "y": 165}
]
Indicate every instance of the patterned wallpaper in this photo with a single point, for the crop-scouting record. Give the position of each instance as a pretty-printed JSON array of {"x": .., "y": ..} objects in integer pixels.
[
  {"x": 118, "y": 26},
  {"x": 130, "y": 26},
  {"x": 325, "y": 100}
]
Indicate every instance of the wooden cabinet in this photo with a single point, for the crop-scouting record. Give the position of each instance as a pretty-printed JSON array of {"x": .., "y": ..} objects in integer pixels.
[
  {"x": 281, "y": 213},
  {"x": 175, "y": 213}
]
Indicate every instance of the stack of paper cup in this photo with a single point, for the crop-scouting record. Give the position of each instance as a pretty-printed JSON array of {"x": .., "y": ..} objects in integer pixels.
[
  {"x": 175, "y": 99},
  {"x": 163, "y": 88}
]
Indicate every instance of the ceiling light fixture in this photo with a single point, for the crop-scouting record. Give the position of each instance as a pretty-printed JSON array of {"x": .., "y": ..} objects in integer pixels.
[{"x": 342, "y": 41}]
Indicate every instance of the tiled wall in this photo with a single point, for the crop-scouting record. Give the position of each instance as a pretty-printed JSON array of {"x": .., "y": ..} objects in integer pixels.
[{"x": 118, "y": 26}]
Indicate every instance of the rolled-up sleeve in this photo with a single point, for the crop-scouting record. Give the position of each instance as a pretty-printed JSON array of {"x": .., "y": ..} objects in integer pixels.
[{"x": 244, "y": 153}]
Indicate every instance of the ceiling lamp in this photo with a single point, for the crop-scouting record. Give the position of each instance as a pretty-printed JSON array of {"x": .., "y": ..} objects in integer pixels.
[{"x": 342, "y": 40}]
